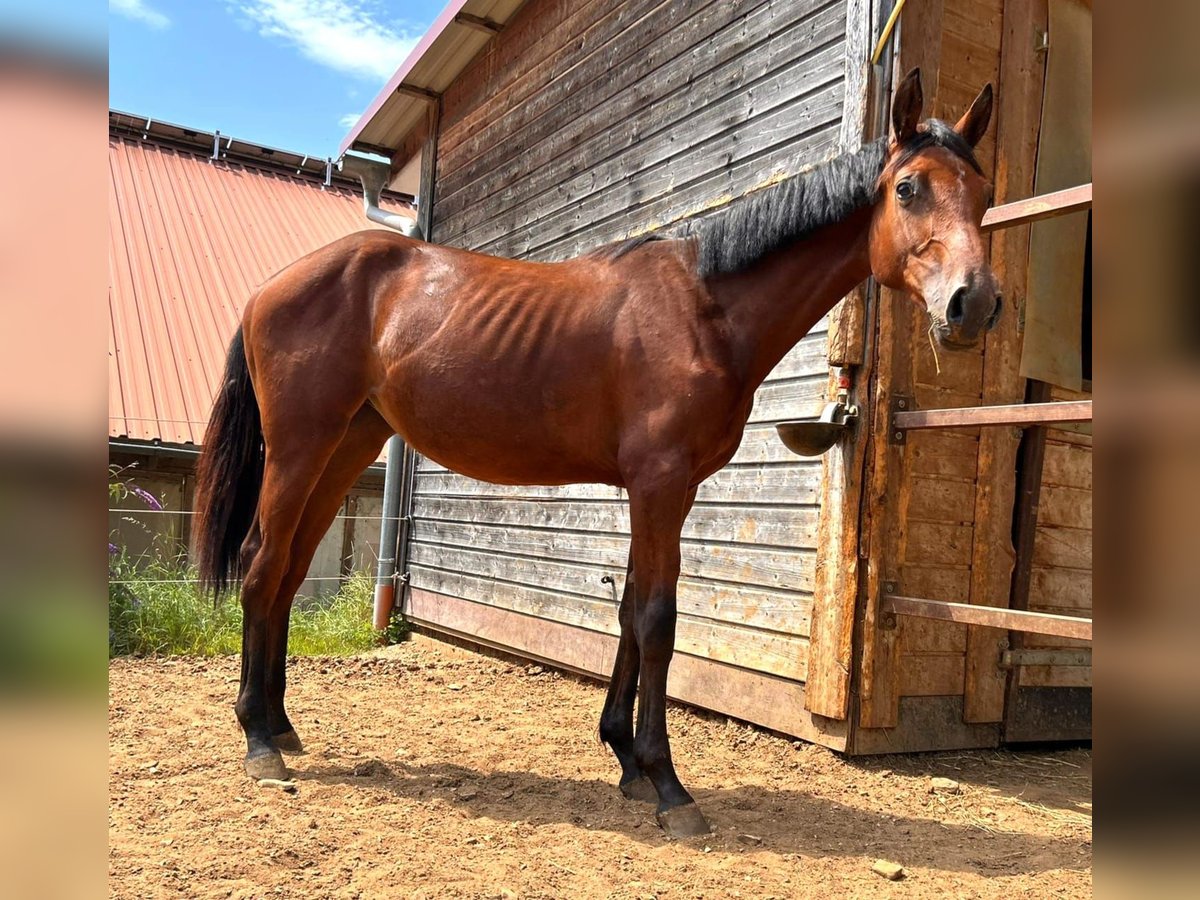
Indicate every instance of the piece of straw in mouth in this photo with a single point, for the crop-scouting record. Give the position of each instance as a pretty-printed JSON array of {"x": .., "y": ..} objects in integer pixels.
[{"x": 933, "y": 346}]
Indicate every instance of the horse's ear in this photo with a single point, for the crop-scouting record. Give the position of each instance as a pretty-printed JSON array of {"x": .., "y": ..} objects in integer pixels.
[
  {"x": 906, "y": 107},
  {"x": 973, "y": 125}
]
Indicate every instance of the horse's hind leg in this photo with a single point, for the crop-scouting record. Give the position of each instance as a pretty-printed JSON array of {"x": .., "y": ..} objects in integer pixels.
[
  {"x": 359, "y": 448},
  {"x": 616, "y": 721},
  {"x": 299, "y": 446}
]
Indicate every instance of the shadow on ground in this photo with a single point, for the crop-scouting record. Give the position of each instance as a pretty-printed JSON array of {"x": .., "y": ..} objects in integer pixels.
[{"x": 787, "y": 821}]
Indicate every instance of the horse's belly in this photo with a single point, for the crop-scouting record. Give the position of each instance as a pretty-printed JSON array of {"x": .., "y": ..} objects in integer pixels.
[{"x": 503, "y": 430}]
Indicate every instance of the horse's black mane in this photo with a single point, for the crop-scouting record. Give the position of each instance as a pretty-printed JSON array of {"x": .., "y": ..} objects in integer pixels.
[{"x": 779, "y": 216}]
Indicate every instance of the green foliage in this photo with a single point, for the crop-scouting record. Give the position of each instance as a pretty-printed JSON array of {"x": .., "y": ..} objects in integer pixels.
[{"x": 156, "y": 607}]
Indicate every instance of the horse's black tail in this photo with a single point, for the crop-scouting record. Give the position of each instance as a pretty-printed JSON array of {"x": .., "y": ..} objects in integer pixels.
[{"x": 229, "y": 475}]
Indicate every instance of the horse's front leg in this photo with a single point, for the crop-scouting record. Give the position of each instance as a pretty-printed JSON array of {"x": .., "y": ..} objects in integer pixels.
[{"x": 658, "y": 502}]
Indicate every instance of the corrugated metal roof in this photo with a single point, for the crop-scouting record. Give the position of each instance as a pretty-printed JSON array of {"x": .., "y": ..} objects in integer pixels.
[
  {"x": 452, "y": 41},
  {"x": 189, "y": 240}
]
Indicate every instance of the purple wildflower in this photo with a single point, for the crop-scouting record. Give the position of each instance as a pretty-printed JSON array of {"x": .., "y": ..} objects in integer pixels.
[
  {"x": 148, "y": 498},
  {"x": 113, "y": 549}
]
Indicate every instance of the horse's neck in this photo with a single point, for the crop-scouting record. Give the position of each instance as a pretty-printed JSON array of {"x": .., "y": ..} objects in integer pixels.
[{"x": 771, "y": 305}]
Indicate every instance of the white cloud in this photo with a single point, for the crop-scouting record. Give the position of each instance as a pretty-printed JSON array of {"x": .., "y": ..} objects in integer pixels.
[
  {"x": 349, "y": 120},
  {"x": 139, "y": 12},
  {"x": 345, "y": 35}
]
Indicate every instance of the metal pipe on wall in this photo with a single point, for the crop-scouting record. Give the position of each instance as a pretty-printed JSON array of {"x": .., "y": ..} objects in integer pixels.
[
  {"x": 396, "y": 514},
  {"x": 389, "y": 532},
  {"x": 374, "y": 177}
]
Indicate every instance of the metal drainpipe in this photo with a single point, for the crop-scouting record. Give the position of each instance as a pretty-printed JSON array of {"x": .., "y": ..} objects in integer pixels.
[
  {"x": 374, "y": 176},
  {"x": 396, "y": 514},
  {"x": 392, "y": 538},
  {"x": 389, "y": 531}
]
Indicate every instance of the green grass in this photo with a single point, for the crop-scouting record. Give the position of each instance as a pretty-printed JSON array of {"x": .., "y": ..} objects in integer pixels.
[{"x": 156, "y": 608}]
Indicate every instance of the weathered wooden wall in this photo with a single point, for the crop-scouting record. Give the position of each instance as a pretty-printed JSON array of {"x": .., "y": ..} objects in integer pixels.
[
  {"x": 583, "y": 123},
  {"x": 920, "y": 529},
  {"x": 587, "y": 121},
  {"x": 939, "y": 522},
  {"x": 1061, "y": 575}
]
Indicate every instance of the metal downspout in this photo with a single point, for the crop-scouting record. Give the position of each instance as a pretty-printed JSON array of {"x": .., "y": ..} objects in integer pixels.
[
  {"x": 389, "y": 530},
  {"x": 396, "y": 515},
  {"x": 374, "y": 177}
]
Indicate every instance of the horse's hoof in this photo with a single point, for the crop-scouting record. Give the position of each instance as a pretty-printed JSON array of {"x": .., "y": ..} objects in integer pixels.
[
  {"x": 288, "y": 742},
  {"x": 640, "y": 788},
  {"x": 266, "y": 764},
  {"x": 683, "y": 821}
]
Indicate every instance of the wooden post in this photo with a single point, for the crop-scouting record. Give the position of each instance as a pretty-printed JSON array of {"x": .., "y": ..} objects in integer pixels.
[
  {"x": 835, "y": 585},
  {"x": 883, "y": 518},
  {"x": 1018, "y": 113}
]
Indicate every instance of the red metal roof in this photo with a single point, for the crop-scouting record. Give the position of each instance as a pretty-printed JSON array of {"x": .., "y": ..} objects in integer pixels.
[{"x": 189, "y": 239}]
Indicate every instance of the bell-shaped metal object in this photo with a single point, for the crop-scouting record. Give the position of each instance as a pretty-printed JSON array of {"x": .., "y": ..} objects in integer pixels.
[{"x": 809, "y": 438}]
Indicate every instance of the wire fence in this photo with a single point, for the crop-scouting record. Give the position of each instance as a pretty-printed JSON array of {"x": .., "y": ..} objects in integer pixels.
[{"x": 366, "y": 565}]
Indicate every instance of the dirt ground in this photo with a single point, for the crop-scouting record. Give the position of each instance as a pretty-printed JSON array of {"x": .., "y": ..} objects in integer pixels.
[{"x": 435, "y": 772}]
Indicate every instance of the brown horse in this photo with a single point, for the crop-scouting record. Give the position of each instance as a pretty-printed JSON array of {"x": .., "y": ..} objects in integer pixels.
[{"x": 635, "y": 365}]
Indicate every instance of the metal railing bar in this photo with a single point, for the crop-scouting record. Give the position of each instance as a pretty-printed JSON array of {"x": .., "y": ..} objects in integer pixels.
[{"x": 1059, "y": 412}]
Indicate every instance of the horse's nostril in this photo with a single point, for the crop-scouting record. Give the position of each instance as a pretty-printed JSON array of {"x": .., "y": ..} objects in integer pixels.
[
  {"x": 955, "y": 309},
  {"x": 995, "y": 316}
]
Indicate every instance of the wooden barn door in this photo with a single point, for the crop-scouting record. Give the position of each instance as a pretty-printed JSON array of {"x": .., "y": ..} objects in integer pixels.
[
  {"x": 938, "y": 514},
  {"x": 1048, "y": 691}
]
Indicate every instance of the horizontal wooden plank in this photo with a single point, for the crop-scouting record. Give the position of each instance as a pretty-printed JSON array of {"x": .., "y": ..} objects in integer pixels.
[
  {"x": 932, "y": 675},
  {"x": 795, "y": 482},
  {"x": 1069, "y": 548},
  {"x": 692, "y": 203},
  {"x": 1061, "y": 588},
  {"x": 1065, "y": 507},
  {"x": 992, "y": 617},
  {"x": 1013, "y": 414},
  {"x": 1044, "y": 206},
  {"x": 767, "y": 526},
  {"x": 787, "y": 613},
  {"x": 783, "y": 569},
  {"x": 949, "y": 454},
  {"x": 935, "y": 499},
  {"x": 1067, "y": 465},
  {"x": 764, "y": 699},
  {"x": 762, "y": 651},
  {"x": 683, "y": 186},
  {"x": 932, "y": 636},
  {"x": 1053, "y": 641},
  {"x": 961, "y": 368},
  {"x": 678, "y": 74},
  {"x": 938, "y": 543},
  {"x": 523, "y": 61},
  {"x": 653, "y": 153},
  {"x": 808, "y": 358},
  {"x": 578, "y": 72}
]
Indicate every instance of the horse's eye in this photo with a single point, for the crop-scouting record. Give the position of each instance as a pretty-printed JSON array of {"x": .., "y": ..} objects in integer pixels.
[{"x": 905, "y": 191}]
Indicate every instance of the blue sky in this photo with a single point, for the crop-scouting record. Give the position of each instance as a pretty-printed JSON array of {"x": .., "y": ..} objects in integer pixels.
[{"x": 292, "y": 74}]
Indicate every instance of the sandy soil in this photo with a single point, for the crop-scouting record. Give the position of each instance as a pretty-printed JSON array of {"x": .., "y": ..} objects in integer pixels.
[{"x": 435, "y": 772}]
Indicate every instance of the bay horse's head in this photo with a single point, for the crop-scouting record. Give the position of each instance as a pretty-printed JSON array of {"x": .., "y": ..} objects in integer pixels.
[{"x": 925, "y": 235}]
